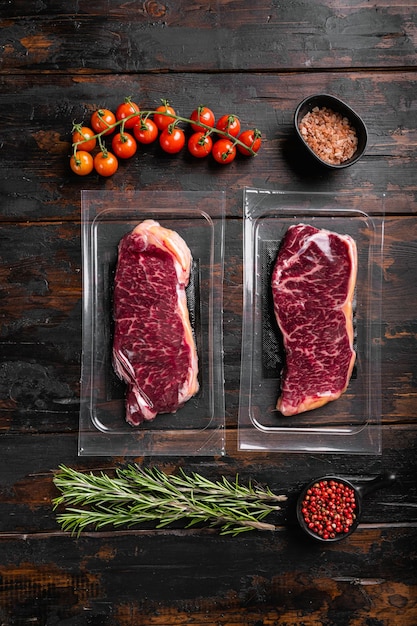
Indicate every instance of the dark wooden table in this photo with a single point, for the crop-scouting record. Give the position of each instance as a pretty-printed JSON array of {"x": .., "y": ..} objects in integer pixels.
[{"x": 60, "y": 61}]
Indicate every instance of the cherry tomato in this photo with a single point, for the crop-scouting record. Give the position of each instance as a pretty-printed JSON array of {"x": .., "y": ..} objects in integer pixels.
[
  {"x": 145, "y": 131},
  {"x": 124, "y": 145},
  {"x": 229, "y": 124},
  {"x": 81, "y": 163},
  {"x": 105, "y": 163},
  {"x": 161, "y": 120},
  {"x": 102, "y": 119},
  {"x": 200, "y": 144},
  {"x": 126, "y": 109},
  {"x": 86, "y": 136},
  {"x": 172, "y": 140},
  {"x": 202, "y": 114},
  {"x": 224, "y": 151},
  {"x": 252, "y": 139}
]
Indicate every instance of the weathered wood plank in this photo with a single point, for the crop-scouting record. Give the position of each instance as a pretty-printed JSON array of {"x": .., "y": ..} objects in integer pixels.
[
  {"x": 61, "y": 60},
  {"x": 184, "y": 36},
  {"x": 41, "y": 291},
  {"x": 145, "y": 579},
  {"x": 28, "y": 461},
  {"x": 37, "y": 184}
]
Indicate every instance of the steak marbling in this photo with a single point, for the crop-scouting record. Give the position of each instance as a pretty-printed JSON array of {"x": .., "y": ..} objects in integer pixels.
[
  {"x": 313, "y": 283},
  {"x": 153, "y": 347}
]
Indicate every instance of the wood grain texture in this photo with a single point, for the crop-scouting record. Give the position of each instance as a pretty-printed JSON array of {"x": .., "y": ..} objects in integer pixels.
[
  {"x": 141, "y": 579},
  {"x": 41, "y": 290},
  {"x": 28, "y": 488},
  {"x": 37, "y": 184},
  {"x": 172, "y": 36},
  {"x": 59, "y": 61}
]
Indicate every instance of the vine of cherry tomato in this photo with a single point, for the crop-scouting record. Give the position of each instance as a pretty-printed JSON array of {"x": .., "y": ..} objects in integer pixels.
[
  {"x": 146, "y": 131},
  {"x": 124, "y": 145},
  {"x": 105, "y": 163},
  {"x": 82, "y": 163},
  {"x": 229, "y": 124},
  {"x": 222, "y": 140},
  {"x": 204, "y": 115},
  {"x": 200, "y": 144},
  {"x": 129, "y": 112},
  {"x": 164, "y": 116},
  {"x": 224, "y": 151},
  {"x": 251, "y": 139},
  {"x": 84, "y": 135},
  {"x": 102, "y": 121},
  {"x": 172, "y": 139}
]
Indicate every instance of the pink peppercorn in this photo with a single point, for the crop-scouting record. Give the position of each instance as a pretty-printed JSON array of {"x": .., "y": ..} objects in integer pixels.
[{"x": 328, "y": 508}]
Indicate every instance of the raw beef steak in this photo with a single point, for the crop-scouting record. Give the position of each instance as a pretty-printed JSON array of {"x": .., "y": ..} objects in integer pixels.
[
  {"x": 153, "y": 347},
  {"x": 313, "y": 283}
]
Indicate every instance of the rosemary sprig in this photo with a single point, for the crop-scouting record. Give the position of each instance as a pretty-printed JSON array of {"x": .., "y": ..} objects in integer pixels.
[{"x": 136, "y": 495}]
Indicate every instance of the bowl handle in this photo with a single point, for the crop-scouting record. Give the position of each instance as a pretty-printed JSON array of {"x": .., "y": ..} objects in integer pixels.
[{"x": 383, "y": 480}]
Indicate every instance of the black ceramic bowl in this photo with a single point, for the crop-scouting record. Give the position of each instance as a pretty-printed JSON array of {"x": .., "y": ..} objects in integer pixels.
[
  {"x": 383, "y": 480},
  {"x": 338, "y": 106}
]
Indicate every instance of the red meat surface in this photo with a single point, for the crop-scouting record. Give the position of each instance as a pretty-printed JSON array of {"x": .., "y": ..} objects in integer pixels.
[
  {"x": 153, "y": 347},
  {"x": 313, "y": 283}
]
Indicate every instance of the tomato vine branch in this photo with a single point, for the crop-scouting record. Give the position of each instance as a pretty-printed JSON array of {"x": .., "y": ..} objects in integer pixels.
[{"x": 143, "y": 115}]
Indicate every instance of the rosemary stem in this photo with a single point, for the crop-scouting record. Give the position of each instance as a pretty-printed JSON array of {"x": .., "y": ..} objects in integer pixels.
[{"x": 136, "y": 495}]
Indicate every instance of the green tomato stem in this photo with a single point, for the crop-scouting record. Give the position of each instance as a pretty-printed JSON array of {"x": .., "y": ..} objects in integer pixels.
[{"x": 101, "y": 144}]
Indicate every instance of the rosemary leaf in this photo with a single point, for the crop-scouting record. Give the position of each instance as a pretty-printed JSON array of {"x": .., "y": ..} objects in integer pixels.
[{"x": 137, "y": 495}]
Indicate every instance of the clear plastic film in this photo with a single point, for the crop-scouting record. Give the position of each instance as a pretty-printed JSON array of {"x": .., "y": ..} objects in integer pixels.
[
  {"x": 352, "y": 422},
  {"x": 197, "y": 427}
]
